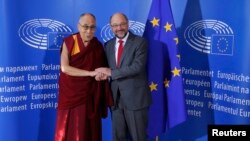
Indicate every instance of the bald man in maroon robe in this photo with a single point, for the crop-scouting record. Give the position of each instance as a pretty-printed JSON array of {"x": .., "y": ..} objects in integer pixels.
[{"x": 82, "y": 101}]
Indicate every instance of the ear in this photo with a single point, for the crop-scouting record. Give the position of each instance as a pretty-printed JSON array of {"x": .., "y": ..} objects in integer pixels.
[{"x": 78, "y": 27}]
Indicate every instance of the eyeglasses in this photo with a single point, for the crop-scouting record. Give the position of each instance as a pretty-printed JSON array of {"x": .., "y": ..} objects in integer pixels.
[
  {"x": 86, "y": 27},
  {"x": 117, "y": 25}
]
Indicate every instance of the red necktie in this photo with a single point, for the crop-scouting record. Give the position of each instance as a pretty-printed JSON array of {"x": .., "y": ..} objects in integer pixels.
[{"x": 119, "y": 55}]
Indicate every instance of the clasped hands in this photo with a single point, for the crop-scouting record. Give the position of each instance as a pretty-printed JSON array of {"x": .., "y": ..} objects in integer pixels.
[{"x": 102, "y": 73}]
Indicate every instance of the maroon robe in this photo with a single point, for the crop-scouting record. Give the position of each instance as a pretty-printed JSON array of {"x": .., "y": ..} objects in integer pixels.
[{"x": 82, "y": 101}]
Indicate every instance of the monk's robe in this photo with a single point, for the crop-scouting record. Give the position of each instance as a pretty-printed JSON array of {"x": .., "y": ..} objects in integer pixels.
[{"x": 82, "y": 101}]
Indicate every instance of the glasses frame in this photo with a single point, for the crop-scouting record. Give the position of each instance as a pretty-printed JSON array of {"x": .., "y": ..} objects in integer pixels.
[
  {"x": 119, "y": 25},
  {"x": 88, "y": 27}
]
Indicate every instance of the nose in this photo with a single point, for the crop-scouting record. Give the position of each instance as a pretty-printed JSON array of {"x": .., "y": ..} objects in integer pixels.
[{"x": 88, "y": 30}]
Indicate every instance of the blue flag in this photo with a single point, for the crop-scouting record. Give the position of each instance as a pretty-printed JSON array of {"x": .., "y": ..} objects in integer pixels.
[{"x": 164, "y": 72}]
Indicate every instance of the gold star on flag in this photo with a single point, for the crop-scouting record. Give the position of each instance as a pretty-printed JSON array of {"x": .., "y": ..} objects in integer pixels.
[
  {"x": 176, "y": 40},
  {"x": 168, "y": 27},
  {"x": 176, "y": 72},
  {"x": 155, "y": 22},
  {"x": 166, "y": 82},
  {"x": 178, "y": 56},
  {"x": 153, "y": 86}
]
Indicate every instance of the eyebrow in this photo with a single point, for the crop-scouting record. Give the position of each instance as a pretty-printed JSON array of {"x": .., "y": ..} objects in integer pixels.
[{"x": 86, "y": 24}]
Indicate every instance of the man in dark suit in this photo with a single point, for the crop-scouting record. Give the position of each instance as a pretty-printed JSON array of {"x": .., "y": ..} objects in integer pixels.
[{"x": 128, "y": 79}]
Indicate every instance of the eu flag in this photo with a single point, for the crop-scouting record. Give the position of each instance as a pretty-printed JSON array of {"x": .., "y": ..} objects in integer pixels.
[
  {"x": 222, "y": 44},
  {"x": 55, "y": 39},
  {"x": 164, "y": 72}
]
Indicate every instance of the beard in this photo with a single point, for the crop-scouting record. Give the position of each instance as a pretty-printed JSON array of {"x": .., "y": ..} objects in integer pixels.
[{"x": 121, "y": 37}]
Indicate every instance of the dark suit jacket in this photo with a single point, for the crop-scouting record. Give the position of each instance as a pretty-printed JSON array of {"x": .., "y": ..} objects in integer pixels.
[{"x": 131, "y": 77}]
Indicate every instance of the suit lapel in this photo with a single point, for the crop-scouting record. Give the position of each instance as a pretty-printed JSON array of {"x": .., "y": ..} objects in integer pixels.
[
  {"x": 127, "y": 46},
  {"x": 112, "y": 52}
]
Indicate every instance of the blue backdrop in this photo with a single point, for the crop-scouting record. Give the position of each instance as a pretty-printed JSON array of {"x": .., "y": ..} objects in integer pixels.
[{"x": 213, "y": 44}]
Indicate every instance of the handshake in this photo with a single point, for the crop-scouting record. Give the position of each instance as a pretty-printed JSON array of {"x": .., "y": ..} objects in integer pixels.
[{"x": 101, "y": 74}]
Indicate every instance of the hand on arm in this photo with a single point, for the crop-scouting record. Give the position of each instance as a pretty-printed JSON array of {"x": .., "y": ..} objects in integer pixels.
[
  {"x": 103, "y": 73},
  {"x": 106, "y": 71}
]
